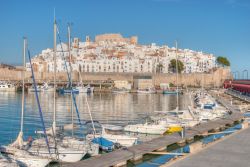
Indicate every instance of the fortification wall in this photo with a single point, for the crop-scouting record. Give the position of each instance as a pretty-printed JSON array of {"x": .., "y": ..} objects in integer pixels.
[{"x": 210, "y": 79}]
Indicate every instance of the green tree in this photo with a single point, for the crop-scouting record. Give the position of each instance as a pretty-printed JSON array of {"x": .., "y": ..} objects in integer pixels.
[
  {"x": 223, "y": 61},
  {"x": 172, "y": 66},
  {"x": 159, "y": 68}
]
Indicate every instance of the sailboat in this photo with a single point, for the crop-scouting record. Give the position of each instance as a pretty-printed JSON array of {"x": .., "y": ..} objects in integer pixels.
[
  {"x": 17, "y": 150},
  {"x": 6, "y": 87},
  {"x": 41, "y": 88},
  {"x": 158, "y": 126},
  {"x": 83, "y": 89},
  {"x": 155, "y": 128},
  {"x": 147, "y": 91},
  {"x": 88, "y": 146},
  {"x": 61, "y": 151},
  {"x": 123, "y": 140},
  {"x": 120, "y": 91},
  {"x": 7, "y": 161}
]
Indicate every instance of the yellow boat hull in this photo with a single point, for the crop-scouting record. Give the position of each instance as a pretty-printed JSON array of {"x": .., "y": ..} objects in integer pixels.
[{"x": 173, "y": 129}]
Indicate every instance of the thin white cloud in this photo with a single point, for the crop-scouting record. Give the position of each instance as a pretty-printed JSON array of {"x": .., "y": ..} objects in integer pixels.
[
  {"x": 167, "y": 0},
  {"x": 239, "y": 3}
]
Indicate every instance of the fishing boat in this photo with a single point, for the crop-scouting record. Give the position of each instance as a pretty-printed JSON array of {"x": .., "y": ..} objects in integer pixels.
[
  {"x": 5, "y": 87},
  {"x": 146, "y": 91}
]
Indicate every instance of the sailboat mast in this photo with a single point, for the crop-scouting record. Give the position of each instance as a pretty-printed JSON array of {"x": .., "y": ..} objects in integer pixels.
[
  {"x": 70, "y": 80},
  {"x": 54, "y": 116},
  {"x": 23, "y": 76},
  {"x": 176, "y": 60},
  {"x": 70, "y": 58}
]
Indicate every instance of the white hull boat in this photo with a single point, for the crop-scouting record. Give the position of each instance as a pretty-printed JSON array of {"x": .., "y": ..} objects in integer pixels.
[
  {"x": 122, "y": 139},
  {"x": 120, "y": 91},
  {"x": 7, "y": 162},
  {"x": 146, "y": 91},
  {"x": 7, "y": 87},
  {"x": 86, "y": 89},
  {"x": 157, "y": 129},
  {"x": 42, "y": 88},
  {"x": 64, "y": 152},
  {"x": 25, "y": 158},
  {"x": 89, "y": 147}
]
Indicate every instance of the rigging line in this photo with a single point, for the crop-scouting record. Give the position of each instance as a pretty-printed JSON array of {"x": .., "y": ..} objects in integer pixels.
[
  {"x": 69, "y": 78},
  {"x": 90, "y": 115},
  {"x": 38, "y": 103}
]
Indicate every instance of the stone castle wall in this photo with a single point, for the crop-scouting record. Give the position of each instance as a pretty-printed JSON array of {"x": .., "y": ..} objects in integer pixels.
[{"x": 195, "y": 79}]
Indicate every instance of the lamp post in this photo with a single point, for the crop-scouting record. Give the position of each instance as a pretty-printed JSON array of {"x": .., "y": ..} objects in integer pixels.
[
  {"x": 235, "y": 75},
  {"x": 243, "y": 72}
]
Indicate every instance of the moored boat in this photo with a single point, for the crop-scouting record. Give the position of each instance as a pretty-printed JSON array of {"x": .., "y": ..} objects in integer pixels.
[
  {"x": 146, "y": 91},
  {"x": 114, "y": 135},
  {"x": 84, "y": 89},
  {"x": 5, "y": 87},
  {"x": 147, "y": 128},
  {"x": 120, "y": 91}
]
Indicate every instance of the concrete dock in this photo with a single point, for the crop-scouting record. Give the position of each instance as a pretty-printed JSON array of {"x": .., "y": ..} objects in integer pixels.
[
  {"x": 134, "y": 153},
  {"x": 229, "y": 152},
  {"x": 120, "y": 157}
]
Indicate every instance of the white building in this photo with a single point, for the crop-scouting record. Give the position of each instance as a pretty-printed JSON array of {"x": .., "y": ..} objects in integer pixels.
[{"x": 124, "y": 57}]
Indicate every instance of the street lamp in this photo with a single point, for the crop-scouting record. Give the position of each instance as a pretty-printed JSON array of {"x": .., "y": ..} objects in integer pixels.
[
  {"x": 236, "y": 72},
  {"x": 243, "y": 72},
  {"x": 234, "y": 76}
]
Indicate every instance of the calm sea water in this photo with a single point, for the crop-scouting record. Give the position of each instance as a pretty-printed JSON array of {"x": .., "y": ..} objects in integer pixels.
[{"x": 119, "y": 109}]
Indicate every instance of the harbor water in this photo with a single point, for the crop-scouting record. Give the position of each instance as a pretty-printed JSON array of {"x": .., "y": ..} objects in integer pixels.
[{"x": 106, "y": 108}]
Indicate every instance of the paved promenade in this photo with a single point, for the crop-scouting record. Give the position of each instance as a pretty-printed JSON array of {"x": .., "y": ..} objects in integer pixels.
[{"x": 233, "y": 151}]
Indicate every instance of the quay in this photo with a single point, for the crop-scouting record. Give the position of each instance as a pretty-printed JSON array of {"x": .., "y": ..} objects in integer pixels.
[
  {"x": 136, "y": 153},
  {"x": 230, "y": 151}
]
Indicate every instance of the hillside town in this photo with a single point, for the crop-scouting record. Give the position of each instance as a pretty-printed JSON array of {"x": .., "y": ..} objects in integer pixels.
[{"x": 115, "y": 54}]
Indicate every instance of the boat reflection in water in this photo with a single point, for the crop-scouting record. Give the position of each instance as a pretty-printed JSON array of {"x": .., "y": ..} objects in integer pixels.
[{"x": 117, "y": 109}]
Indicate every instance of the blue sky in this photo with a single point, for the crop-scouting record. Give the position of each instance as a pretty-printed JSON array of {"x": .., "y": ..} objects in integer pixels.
[{"x": 221, "y": 27}]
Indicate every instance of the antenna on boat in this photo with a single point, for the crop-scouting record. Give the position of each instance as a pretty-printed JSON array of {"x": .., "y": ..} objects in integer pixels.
[{"x": 177, "y": 90}]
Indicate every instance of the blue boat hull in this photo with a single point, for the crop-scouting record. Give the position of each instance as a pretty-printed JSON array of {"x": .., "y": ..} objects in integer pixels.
[
  {"x": 67, "y": 91},
  {"x": 167, "y": 92},
  {"x": 104, "y": 144}
]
